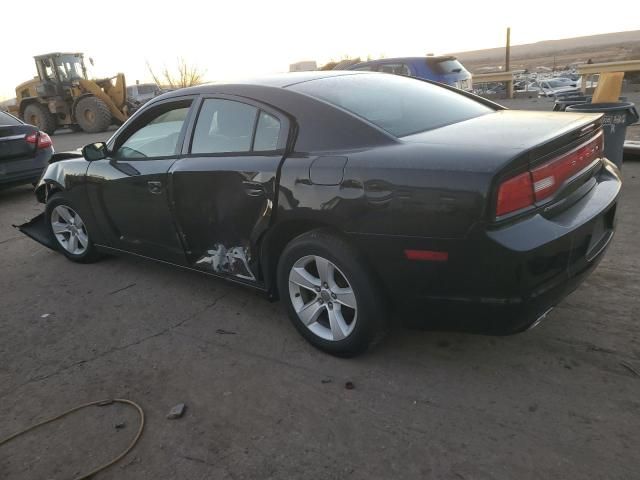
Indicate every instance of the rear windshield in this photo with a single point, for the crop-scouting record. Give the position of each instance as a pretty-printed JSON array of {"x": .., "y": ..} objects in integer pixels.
[
  {"x": 6, "y": 119},
  {"x": 400, "y": 105},
  {"x": 444, "y": 66}
]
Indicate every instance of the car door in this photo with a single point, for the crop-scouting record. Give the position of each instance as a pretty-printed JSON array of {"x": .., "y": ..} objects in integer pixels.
[
  {"x": 128, "y": 190},
  {"x": 224, "y": 187}
]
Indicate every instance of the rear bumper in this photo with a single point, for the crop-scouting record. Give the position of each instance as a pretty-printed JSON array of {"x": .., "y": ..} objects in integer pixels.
[
  {"x": 24, "y": 170},
  {"x": 503, "y": 279}
]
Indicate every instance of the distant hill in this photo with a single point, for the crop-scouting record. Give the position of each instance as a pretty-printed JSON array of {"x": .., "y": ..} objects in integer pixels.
[{"x": 607, "y": 47}]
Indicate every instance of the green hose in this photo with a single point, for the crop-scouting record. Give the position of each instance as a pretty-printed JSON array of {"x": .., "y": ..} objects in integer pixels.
[{"x": 100, "y": 403}]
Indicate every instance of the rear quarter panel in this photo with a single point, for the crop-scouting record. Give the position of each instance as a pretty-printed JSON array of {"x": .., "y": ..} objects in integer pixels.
[{"x": 400, "y": 190}]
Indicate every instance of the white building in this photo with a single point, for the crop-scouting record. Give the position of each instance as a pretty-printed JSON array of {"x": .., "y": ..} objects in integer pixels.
[{"x": 304, "y": 66}]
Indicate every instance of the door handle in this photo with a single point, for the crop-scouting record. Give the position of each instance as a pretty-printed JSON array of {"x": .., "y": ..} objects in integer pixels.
[{"x": 154, "y": 187}]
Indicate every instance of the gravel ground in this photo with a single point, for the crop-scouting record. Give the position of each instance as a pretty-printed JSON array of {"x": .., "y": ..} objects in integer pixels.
[{"x": 560, "y": 401}]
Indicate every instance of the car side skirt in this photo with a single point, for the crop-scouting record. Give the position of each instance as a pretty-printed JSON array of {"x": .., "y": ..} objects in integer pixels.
[{"x": 116, "y": 251}]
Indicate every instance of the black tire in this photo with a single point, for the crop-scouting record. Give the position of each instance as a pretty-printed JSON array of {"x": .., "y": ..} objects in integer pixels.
[
  {"x": 371, "y": 321},
  {"x": 90, "y": 254},
  {"x": 92, "y": 114},
  {"x": 39, "y": 116}
]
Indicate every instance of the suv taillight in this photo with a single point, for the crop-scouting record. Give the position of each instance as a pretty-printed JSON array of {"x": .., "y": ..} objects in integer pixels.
[
  {"x": 39, "y": 139},
  {"x": 541, "y": 182}
]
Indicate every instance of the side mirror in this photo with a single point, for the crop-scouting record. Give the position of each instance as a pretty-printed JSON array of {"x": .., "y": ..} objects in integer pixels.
[
  {"x": 91, "y": 61},
  {"x": 95, "y": 151}
]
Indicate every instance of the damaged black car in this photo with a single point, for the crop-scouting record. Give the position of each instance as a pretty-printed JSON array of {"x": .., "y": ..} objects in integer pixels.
[{"x": 353, "y": 197}]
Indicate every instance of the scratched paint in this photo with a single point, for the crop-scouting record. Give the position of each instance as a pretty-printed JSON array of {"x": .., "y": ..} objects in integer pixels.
[{"x": 232, "y": 261}]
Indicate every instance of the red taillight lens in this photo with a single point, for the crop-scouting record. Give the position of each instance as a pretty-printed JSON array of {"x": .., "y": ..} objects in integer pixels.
[
  {"x": 39, "y": 139},
  {"x": 44, "y": 140},
  {"x": 514, "y": 194},
  {"x": 544, "y": 180},
  {"x": 547, "y": 178}
]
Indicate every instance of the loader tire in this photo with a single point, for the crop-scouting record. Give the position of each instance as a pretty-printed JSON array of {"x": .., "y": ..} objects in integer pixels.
[
  {"x": 39, "y": 116},
  {"x": 92, "y": 114}
]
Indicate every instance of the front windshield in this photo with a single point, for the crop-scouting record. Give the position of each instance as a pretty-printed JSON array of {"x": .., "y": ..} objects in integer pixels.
[{"x": 70, "y": 67}]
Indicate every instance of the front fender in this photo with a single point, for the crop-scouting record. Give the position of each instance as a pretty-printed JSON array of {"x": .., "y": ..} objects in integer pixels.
[{"x": 65, "y": 171}]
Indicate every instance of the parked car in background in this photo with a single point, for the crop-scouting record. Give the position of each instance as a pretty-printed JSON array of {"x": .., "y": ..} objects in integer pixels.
[
  {"x": 566, "y": 81},
  {"x": 551, "y": 87},
  {"x": 24, "y": 151},
  {"x": 442, "y": 69},
  {"x": 347, "y": 195},
  {"x": 141, "y": 93},
  {"x": 525, "y": 86}
]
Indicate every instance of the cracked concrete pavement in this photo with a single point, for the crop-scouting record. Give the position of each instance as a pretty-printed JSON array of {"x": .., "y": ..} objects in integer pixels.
[{"x": 553, "y": 403}]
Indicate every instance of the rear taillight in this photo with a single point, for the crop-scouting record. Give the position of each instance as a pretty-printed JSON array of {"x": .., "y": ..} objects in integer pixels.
[
  {"x": 541, "y": 182},
  {"x": 515, "y": 194},
  {"x": 549, "y": 177},
  {"x": 39, "y": 139}
]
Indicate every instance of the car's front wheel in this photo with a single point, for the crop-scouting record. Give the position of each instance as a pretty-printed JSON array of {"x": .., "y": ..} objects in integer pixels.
[
  {"x": 69, "y": 230},
  {"x": 331, "y": 296}
]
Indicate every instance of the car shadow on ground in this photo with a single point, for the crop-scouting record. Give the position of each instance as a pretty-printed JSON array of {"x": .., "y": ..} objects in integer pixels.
[{"x": 261, "y": 327}]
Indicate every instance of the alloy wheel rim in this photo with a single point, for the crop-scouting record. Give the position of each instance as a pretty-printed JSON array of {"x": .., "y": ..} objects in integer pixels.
[
  {"x": 69, "y": 230},
  {"x": 323, "y": 298}
]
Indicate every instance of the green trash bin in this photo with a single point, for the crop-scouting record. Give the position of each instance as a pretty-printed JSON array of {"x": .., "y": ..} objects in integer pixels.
[{"x": 617, "y": 117}]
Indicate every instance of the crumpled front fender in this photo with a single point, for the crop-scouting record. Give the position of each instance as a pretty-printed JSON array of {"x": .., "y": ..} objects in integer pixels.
[{"x": 64, "y": 168}]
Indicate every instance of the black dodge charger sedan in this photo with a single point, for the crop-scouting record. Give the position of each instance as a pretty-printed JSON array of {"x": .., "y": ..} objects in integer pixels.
[{"x": 348, "y": 195}]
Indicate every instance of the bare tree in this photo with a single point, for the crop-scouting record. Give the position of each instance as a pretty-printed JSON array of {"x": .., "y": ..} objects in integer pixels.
[{"x": 184, "y": 75}]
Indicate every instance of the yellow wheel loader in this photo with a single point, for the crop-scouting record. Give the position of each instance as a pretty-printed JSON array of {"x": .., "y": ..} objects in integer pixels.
[{"x": 63, "y": 96}]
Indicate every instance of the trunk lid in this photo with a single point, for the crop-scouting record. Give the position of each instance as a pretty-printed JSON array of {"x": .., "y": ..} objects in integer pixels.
[
  {"x": 13, "y": 144},
  {"x": 547, "y": 151},
  {"x": 516, "y": 136}
]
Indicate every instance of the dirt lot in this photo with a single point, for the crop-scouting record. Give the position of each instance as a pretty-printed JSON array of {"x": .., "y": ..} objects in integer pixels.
[{"x": 561, "y": 401}]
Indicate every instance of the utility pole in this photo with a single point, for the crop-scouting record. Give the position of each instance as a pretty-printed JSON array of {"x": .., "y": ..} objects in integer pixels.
[
  {"x": 507, "y": 60},
  {"x": 507, "y": 63}
]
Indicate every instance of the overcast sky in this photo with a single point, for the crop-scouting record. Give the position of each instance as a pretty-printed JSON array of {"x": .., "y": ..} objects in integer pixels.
[{"x": 237, "y": 38}]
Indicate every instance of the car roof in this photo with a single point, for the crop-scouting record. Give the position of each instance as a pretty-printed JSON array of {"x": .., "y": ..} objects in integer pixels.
[
  {"x": 280, "y": 80},
  {"x": 57, "y": 54},
  {"x": 12, "y": 116},
  {"x": 430, "y": 58}
]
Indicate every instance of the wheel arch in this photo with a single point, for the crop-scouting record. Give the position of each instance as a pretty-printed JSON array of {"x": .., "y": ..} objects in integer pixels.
[
  {"x": 275, "y": 240},
  {"x": 47, "y": 187}
]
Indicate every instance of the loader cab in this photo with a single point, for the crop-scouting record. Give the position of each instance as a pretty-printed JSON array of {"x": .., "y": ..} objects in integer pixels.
[{"x": 60, "y": 69}]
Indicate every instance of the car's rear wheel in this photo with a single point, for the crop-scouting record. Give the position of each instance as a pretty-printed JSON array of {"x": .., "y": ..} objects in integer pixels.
[
  {"x": 69, "y": 230},
  {"x": 331, "y": 296}
]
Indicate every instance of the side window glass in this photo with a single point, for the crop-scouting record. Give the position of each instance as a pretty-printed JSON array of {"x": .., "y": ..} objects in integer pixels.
[
  {"x": 224, "y": 126},
  {"x": 395, "y": 68},
  {"x": 158, "y": 137},
  {"x": 267, "y": 133}
]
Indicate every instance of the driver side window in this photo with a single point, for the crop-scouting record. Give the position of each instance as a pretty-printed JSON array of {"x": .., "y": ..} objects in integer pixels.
[{"x": 157, "y": 135}]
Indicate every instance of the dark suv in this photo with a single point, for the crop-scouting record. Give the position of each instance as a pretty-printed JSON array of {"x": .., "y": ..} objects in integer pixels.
[{"x": 443, "y": 69}]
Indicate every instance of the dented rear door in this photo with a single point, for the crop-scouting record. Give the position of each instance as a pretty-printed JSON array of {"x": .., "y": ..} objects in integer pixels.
[{"x": 224, "y": 187}]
